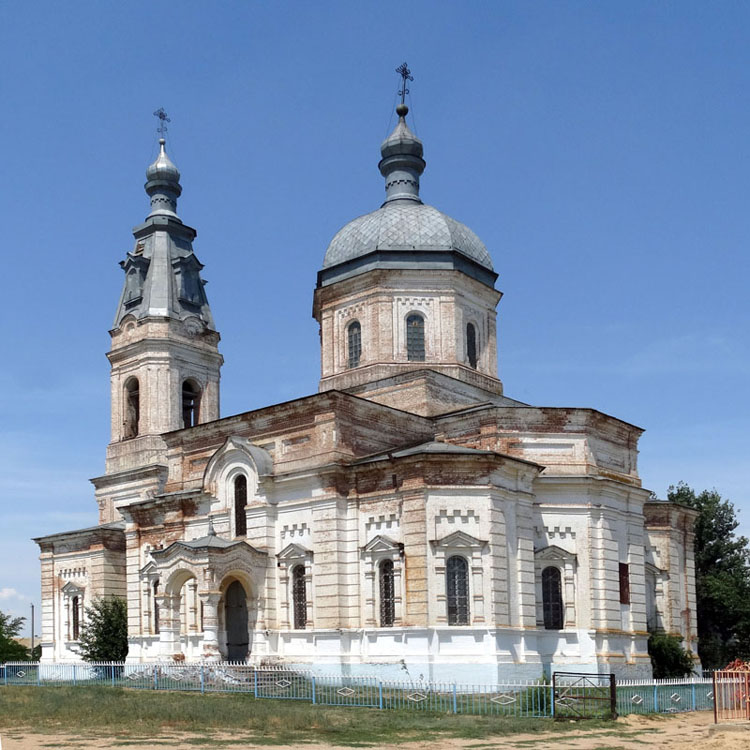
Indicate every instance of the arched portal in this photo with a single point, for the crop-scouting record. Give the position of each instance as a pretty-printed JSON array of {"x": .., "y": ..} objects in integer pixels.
[{"x": 235, "y": 617}]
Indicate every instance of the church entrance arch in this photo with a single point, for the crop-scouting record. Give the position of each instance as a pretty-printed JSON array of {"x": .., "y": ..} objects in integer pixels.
[{"x": 236, "y": 620}]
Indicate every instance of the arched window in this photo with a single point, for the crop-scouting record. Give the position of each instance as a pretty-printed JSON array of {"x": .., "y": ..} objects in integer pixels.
[
  {"x": 240, "y": 503},
  {"x": 75, "y": 616},
  {"x": 471, "y": 345},
  {"x": 132, "y": 408},
  {"x": 354, "y": 341},
  {"x": 457, "y": 590},
  {"x": 552, "y": 602},
  {"x": 387, "y": 595},
  {"x": 299, "y": 597},
  {"x": 156, "y": 608},
  {"x": 191, "y": 396},
  {"x": 415, "y": 338}
]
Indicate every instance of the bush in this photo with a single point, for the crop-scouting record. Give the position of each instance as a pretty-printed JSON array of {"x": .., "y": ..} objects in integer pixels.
[{"x": 668, "y": 656}]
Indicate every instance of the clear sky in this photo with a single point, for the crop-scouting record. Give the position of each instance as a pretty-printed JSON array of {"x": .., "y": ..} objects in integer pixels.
[{"x": 600, "y": 150}]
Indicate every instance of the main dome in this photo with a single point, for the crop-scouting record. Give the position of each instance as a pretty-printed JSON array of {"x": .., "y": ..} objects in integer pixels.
[
  {"x": 405, "y": 225},
  {"x": 404, "y": 232}
]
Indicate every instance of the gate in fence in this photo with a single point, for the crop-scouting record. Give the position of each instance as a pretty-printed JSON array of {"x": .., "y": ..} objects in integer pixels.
[
  {"x": 584, "y": 696},
  {"x": 731, "y": 695}
]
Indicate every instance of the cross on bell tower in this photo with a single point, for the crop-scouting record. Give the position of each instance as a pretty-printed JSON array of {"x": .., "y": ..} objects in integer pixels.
[
  {"x": 405, "y": 73},
  {"x": 163, "y": 119}
]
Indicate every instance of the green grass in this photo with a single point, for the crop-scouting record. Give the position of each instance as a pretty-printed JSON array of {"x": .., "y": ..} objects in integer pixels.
[{"x": 131, "y": 714}]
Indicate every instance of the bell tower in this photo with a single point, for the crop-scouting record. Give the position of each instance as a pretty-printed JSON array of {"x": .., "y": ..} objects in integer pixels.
[{"x": 165, "y": 362}]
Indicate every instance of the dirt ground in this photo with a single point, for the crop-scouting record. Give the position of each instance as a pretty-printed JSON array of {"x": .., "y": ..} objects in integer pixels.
[{"x": 690, "y": 731}]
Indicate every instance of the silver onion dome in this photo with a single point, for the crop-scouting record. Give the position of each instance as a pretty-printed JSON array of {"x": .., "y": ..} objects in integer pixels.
[{"x": 163, "y": 169}]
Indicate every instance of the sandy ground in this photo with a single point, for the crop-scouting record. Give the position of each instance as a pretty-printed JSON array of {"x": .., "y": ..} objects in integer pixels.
[{"x": 693, "y": 731}]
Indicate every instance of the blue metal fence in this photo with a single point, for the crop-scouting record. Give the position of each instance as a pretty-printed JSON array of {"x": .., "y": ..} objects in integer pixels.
[{"x": 522, "y": 699}]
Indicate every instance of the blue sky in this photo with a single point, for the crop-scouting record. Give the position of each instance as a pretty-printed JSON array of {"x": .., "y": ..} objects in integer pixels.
[{"x": 600, "y": 150}]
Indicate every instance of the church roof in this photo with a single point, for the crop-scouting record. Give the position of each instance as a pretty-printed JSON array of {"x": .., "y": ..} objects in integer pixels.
[
  {"x": 433, "y": 446},
  {"x": 404, "y": 224}
]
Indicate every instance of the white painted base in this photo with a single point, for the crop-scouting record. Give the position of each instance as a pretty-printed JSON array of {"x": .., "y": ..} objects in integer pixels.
[{"x": 450, "y": 654}]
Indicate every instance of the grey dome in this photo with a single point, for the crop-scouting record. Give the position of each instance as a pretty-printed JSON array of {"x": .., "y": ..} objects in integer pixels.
[{"x": 405, "y": 225}]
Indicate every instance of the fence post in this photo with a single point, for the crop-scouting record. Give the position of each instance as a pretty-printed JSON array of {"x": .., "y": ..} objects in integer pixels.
[
  {"x": 112, "y": 667},
  {"x": 656, "y": 698},
  {"x": 693, "y": 693},
  {"x": 38, "y": 674},
  {"x": 255, "y": 683},
  {"x": 455, "y": 711},
  {"x": 203, "y": 680},
  {"x": 613, "y": 695},
  {"x": 313, "y": 689},
  {"x": 74, "y": 675},
  {"x": 156, "y": 678},
  {"x": 380, "y": 694},
  {"x": 5, "y": 674}
]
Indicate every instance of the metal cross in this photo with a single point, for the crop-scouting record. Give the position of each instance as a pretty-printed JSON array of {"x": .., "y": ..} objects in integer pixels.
[
  {"x": 406, "y": 75},
  {"x": 163, "y": 119}
]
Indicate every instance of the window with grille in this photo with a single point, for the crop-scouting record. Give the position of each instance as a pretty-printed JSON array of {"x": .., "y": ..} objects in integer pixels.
[
  {"x": 624, "y": 583},
  {"x": 552, "y": 602},
  {"x": 457, "y": 590},
  {"x": 190, "y": 403},
  {"x": 156, "y": 608},
  {"x": 240, "y": 503},
  {"x": 387, "y": 594},
  {"x": 299, "y": 597},
  {"x": 415, "y": 338},
  {"x": 132, "y": 408},
  {"x": 75, "y": 606},
  {"x": 471, "y": 345},
  {"x": 354, "y": 340}
]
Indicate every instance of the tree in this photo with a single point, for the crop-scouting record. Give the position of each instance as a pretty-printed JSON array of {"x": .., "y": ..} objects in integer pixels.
[
  {"x": 104, "y": 633},
  {"x": 722, "y": 577},
  {"x": 10, "y": 648}
]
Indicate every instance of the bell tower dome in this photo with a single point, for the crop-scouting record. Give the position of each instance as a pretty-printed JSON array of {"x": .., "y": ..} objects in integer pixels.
[
  {"x": 406, "y": 288},
  {"x": 165, "y": 362}
]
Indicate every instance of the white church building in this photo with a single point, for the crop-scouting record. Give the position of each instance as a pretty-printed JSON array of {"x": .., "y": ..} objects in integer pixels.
[{"x": 407, "y": 516}]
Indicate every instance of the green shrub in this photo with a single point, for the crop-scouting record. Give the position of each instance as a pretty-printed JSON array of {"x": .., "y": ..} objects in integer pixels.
[{"x": 668, "y": 656}]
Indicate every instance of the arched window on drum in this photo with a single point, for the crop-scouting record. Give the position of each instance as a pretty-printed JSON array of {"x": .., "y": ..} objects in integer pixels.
[
  {"x": 354, "y": 343},
  {"x": 415, "y": 349},
  {"x": 471, "y": 345}
]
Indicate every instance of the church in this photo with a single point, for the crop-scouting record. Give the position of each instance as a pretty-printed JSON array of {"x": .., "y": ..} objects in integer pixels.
[{"x": 409, "y": 518}]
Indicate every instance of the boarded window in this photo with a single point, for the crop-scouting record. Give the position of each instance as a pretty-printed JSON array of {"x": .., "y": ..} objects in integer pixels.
[
  {"x": 415, "y": 338},
  {"x": 624, "y": 583},
  {"x": 457, "y": 590},
  {"x": 190, "y": 403},
  {"x": 132, "y": 408},
  {"x": 387, "y": 594},
  {"x": 552, "y": 601},
  {"x": 471, "y": 345},
  {"x": 75, "y": 612},
  {"x": 299, "y": 597},
  {"x": 354, "y": 341},
  {"x": 240, "y": 503}
]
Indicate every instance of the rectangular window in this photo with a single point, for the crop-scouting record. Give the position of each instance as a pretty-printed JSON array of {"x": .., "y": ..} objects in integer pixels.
[{"x": 624, "y": 583}]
